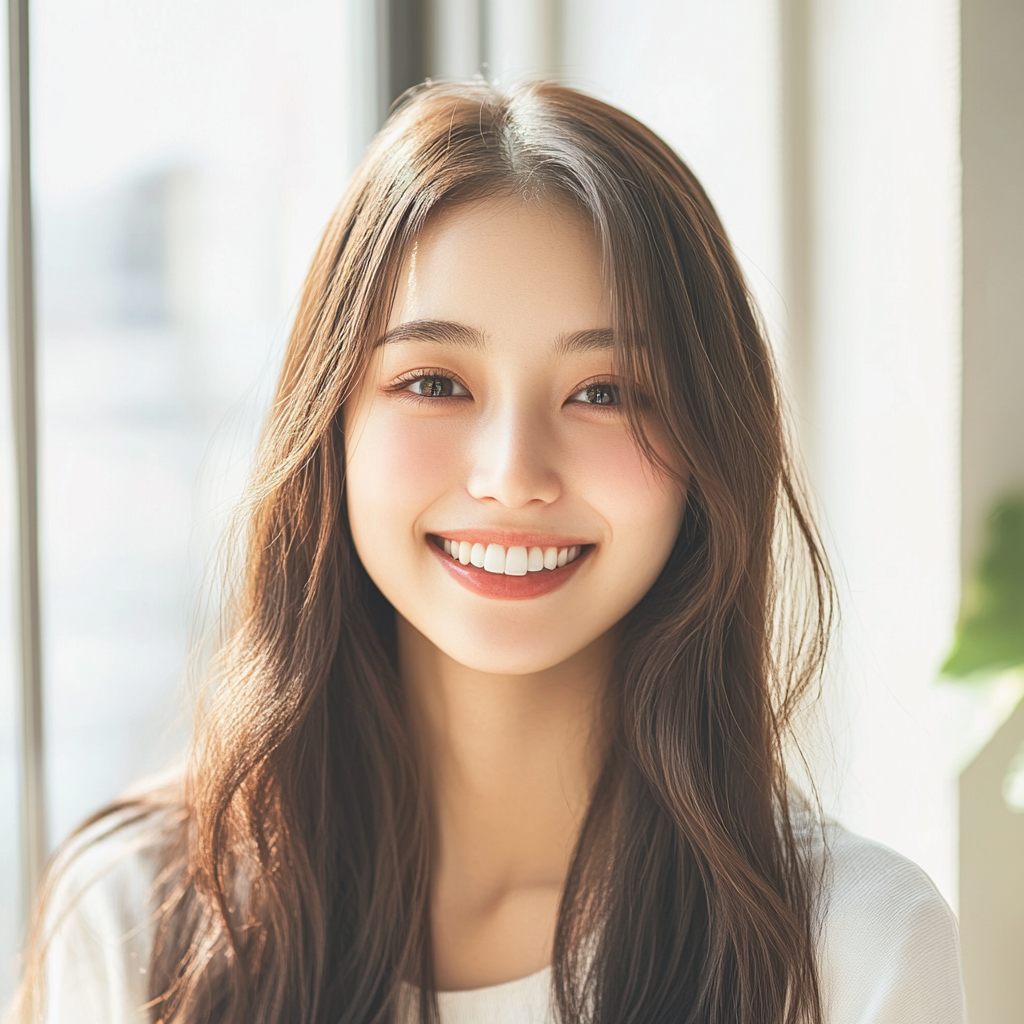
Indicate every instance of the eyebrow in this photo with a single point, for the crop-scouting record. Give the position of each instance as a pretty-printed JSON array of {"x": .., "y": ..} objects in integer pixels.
[
  {"x": 585, "y": 341},
  {"x": 448, "y": 332},
  {"x": 441, "y": 332}
]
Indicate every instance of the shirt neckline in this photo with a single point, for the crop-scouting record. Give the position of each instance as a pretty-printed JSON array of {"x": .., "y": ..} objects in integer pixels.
[{"x": 502, "y": 988}]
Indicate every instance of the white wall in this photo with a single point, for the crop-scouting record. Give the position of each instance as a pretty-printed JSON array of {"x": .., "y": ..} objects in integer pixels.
[{"x": 885, "y": 410}]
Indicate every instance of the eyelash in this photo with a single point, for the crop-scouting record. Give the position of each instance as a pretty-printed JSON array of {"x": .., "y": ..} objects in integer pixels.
[
  {"x": 400, "y": 386},
  {"x": 598, "y": 383}
]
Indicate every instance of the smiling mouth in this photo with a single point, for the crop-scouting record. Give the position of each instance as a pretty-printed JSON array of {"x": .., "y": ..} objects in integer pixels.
[
  {"x": 509, "y": 572},
  {"x": 510, "y": 561}
]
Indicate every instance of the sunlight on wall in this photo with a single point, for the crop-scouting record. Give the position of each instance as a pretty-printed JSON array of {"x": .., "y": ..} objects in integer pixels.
[{"x": 886, "y": 410}]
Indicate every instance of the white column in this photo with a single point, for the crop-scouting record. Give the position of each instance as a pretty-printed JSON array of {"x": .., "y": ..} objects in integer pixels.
[
  {"x": 455, "y": 40},
  {"x": 992, "y": 833},
  {"x": 364, "y": 87},
  {"x": 885, "y": 428},
  {"x": 521, "y": 39},
  {"x": 993, "y": 154}
]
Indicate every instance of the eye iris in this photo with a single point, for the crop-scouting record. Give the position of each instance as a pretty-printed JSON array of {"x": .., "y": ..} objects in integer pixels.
[
  {"x": 433, "y": 387},
  {"x": 602, "y": 394}
]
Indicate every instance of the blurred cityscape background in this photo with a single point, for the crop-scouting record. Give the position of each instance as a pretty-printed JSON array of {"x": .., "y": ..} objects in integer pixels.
[{"x": 867, "y": 157}]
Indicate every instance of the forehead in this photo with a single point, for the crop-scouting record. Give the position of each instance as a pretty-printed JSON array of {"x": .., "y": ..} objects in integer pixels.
[{"x": 506, "y": 269}]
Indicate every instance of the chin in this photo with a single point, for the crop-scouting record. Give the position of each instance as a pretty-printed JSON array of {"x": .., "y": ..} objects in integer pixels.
[
  {"x": 518, "y": 639},
  {"x": 509, "y": 661}
]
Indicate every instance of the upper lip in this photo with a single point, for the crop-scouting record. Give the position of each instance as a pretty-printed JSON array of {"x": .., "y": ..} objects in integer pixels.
[{"x": 512, "y": 538}]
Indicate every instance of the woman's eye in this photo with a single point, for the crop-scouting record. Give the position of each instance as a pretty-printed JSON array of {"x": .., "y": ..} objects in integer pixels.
[
  {"x": 598, "y": 394},
  {"x": 434, "y": 385}
]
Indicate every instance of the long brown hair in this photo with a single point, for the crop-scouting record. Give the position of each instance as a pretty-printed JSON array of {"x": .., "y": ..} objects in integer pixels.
[{"x": 297, "y": 885}]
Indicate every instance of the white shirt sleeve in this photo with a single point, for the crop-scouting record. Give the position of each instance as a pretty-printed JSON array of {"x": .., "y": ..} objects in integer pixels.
[
  {"x": 889, "y": 949},
  {"x": 101, "y": 932}
]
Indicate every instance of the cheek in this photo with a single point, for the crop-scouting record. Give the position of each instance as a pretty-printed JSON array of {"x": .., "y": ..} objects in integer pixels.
[
  {"x": 396, "y": 466},
  {"x": 642, "y": 506}
]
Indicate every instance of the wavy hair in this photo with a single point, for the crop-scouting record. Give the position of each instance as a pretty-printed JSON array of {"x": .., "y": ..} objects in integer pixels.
[{"x": 297, "y": 880}]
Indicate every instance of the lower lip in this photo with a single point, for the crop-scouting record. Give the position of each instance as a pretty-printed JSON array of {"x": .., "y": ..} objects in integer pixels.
[{"x": 509, "y": 588}]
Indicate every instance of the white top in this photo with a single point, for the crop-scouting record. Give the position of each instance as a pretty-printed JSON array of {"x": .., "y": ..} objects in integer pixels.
[{"x": 888, "y": 951}]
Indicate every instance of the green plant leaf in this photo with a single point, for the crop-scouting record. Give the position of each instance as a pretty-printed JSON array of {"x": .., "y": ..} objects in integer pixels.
[{"x": 990, "y": 635}]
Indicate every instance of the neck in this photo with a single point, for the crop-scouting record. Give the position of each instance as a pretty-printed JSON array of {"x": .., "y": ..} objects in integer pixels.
[{"x": 512, "y": 762}]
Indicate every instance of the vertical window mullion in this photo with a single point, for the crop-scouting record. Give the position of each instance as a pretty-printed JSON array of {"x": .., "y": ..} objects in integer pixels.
[{"x": 22, "y": 339}]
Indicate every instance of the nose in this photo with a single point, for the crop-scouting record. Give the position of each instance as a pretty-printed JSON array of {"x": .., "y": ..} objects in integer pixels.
[{"x": 514, "y": 462}]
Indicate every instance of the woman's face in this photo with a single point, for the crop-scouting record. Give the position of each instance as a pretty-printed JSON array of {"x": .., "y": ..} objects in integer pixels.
[{"x": 495, "y": 495}]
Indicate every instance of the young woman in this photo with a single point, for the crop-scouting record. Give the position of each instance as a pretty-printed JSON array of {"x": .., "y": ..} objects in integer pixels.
[{"x": 529, "y": 601}]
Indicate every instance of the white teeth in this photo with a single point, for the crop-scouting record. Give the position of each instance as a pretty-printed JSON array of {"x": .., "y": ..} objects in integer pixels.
[
  {"x": 517, "y": 561},
  {"x": 494, "y": 558}
]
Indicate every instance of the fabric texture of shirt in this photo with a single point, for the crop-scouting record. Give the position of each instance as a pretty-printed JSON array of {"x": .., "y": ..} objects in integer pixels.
[{"x": 888, "y": 949}]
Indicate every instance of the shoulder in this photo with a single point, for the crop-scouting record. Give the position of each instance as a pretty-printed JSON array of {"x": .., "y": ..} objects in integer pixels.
[
  {"x": 99, "y": 917},
  {"x": 113, "y": 857},
  {"x": 888, "y": 945}
]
